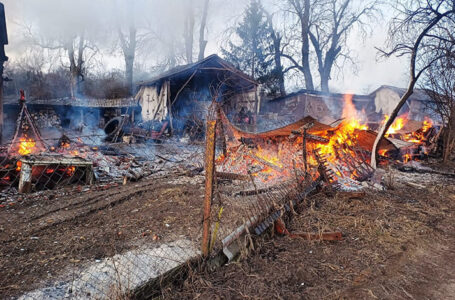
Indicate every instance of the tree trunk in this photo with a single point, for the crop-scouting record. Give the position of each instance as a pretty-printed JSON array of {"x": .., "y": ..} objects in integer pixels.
[
  {"x": 73, "y": 71},
  {"x": 189, "y": 32},
  {"x": 79, "y": 67},
  {"x": 129, "y": 59},
  {"x": 202, "y": 41},
  {"x": 389, "y": 122},
  {"x": 129, "y": 65},
  {"x": 325, "y": 82},
  {"x": 278, "y": 65},
  {"x": 305, "y": 29}
]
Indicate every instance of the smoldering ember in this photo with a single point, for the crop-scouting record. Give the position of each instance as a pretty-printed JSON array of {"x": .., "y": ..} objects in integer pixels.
[{"x": 265, "y": 149}]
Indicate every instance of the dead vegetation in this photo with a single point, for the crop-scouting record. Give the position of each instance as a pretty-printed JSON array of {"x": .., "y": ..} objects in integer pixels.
[{"x": 397, "y": 245}]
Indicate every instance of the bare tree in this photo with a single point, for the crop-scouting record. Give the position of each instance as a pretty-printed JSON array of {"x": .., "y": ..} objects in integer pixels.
[
  {"x": 75, "y": 48},
  {"x": 302, "y": 9},
  {"x": 277, "y": 38},
  {"x": 418, "y": 31},
  {"x": 331, "y": 23},
  {"x": 440, "y": 81},
  {"x": 128, "y": 44},
  {"x": 188, "y": 33},
  {"x": 202, "y": 28}
]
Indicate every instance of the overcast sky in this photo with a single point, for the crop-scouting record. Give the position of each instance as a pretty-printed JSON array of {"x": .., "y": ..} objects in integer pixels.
[{"x": 52, "y": 18}]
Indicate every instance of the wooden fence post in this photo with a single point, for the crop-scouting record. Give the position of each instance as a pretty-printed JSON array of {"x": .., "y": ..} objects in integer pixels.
[{"x": 210, "y": 138}]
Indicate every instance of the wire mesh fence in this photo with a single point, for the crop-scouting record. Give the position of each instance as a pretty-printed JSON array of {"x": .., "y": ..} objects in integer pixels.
[
  {"x": 96, "y": 220},
  {"x": 257, "y": 181},
  {"x": 82, "y": 218}
]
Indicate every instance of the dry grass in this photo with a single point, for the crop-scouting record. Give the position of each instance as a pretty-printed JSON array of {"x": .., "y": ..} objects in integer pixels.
[{"x": 396, "y": 246}]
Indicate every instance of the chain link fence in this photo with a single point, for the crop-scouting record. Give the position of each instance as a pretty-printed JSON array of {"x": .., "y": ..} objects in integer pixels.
[{"x": 82, "y": 218}]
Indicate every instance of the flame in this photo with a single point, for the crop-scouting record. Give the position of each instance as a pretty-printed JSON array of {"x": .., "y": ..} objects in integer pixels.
[
  {"x": 418, "y": 137},
  {"x": 71, "y": 170},
  {"x": 274, "y": 160},
  {"x": 345, "y": 131},
  {"x": 407, "y": 157},
  {"x": 65, "y": 145},
  {"x": 397, "y": 124},
  {"x": 18, "y": 165},
  {"x": 278, "y": 160},
  {"x": 26, "y": 146},
  {"x": 427, "y": 124},
  {"x": 383, "y": 152}
]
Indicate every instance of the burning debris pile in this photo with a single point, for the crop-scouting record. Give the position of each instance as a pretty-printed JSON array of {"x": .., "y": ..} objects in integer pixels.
[
  {"x": 31, "y": 163},
  {"x": 339, "y": 152}
]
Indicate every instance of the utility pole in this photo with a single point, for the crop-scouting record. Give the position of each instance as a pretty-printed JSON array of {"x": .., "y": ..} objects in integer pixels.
[{"x": 3, "y": 59}]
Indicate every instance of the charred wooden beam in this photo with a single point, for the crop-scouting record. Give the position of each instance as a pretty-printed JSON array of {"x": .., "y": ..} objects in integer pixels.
[
  {"x": 232, "y": 176},
  {"x": 254, "y": 192},
  {"x": 313, "y": 137},
  {"x": 263, "y": 161},
  {"x": 304, "y": 154}
]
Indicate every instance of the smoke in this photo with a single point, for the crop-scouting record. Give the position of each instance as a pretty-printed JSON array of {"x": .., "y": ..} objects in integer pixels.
[{"x": 160, "y": 25}]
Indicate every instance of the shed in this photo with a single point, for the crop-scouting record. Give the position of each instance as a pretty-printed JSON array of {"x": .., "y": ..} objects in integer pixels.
[{"x": 188, "y": 90}]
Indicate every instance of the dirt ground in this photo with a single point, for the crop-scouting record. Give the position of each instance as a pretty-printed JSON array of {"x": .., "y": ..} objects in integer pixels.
[
  {"x": 46, "y": 232},
  {"x": 398, "y": 244}
]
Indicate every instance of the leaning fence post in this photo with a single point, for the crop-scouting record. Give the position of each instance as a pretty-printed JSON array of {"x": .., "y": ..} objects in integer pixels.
[
  {"x": 25, "y": 179},
  {"x": 210, "y": 137}
]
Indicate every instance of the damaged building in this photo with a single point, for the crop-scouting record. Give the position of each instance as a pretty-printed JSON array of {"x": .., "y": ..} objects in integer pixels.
[
  {"x": 328, "y": 107},
  {"x": 55, "y": 115},
  {"x": 181, "y": 95},
  {"x": 325, "y": 107},
  {"x": 417, "y": 106}
]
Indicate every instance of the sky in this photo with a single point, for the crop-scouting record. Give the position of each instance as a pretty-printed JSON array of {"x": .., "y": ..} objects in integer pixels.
[{"x": 50, "y": 19}]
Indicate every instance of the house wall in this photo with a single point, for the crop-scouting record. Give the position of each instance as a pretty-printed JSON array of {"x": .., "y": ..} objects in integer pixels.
[
  {"x": 234, "y": 104},
  {"x": 386, "y": 100},
  {"x": 297, "y": 107}
]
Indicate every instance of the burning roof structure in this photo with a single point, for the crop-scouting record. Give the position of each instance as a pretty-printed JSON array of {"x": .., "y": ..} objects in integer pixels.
[{"x": 340, "y": 151}]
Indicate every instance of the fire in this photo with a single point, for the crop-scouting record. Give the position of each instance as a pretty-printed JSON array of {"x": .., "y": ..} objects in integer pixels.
[
  {"x": 345, "y": 131},
  {"x": 419, "y": 136},
  {"x": 397, "y": 125},
  {"x": 70, "y": 170},
  {"x": 26, "y": 146},
  {"x": 427, "y": 124},
  {"x": 18, "y": 165},
  {"x": 274, "y": 160}
]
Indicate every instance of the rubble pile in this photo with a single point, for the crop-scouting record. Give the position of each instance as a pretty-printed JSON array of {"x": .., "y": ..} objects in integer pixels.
[{"x": 47, "y": 119}]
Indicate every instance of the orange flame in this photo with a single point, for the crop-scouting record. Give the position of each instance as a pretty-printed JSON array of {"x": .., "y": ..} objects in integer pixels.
[
  {"x": 70, "y": 170},
  {"x": 397, "y": 125},
  {"x": 26, "y": 146}
]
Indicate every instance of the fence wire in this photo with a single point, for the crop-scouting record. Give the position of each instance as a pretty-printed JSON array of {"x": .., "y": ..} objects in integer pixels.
[
  {"x": 82, "y": 218},
  {"x": 87, "y": 219}
]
